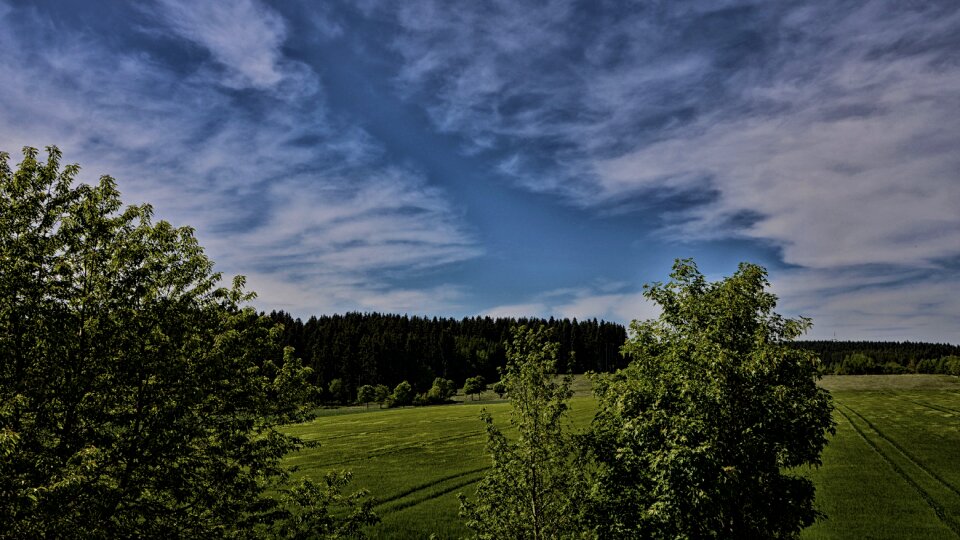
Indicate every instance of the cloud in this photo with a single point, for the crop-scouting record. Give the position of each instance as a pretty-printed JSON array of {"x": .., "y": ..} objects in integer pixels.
[
  {"x": 533, "y": 309},
  {"x": 870, "y": 305},
  {"x": 611, "y": 302},
  {"x": 280, "y": 190},
  {"x": 244, "y": 37},
  {"x": 857, "y": 171},
  {"x": 828, "y": 132}
]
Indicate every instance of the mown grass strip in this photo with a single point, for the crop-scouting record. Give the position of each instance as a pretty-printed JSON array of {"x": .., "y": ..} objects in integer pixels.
[{"x": 937, "y": 508}]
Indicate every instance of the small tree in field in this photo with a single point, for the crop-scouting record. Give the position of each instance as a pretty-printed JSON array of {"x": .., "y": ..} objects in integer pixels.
[
  {"x": 402, "y": 394},
  {"x": 532, "y": 489},
  {"x": 138, "y": 397},
  {"x": 381, "y": 394},
  {"x": 441, "y": 390},
  {"x": 474, "y": 386},
  {"x": 696, "y": 437},
  {"x": 366, "y": 394}
]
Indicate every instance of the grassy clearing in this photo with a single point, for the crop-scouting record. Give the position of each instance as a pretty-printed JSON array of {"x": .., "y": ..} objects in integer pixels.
[{"x": 889, "y": 472}]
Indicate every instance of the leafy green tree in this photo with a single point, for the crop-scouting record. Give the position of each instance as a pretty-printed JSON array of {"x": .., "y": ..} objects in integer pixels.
[
  {"x": 499, "y": 389},
  {"x": 138, "y": 398},
  {"x": 858, "y": 364},
  {"x": 382, "y": 394},
  {"x": 441, "y": 391},
  {"x": 474, "y": 386},
  {"x": 402, "y": 394},
  {"x": 533, "y": 489},
  {"x": 366, "y": 394},
  {"x": 338, "y": 390},
  {"x": 697, "y": 437}
]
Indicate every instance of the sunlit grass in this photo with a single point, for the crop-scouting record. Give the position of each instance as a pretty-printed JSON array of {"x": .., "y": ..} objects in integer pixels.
[{"x": 889, "y": 472}]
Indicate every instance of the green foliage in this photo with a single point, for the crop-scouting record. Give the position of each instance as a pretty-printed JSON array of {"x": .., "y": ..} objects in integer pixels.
[
  {"x": 532, "y": 490},
  {"x": 381, "y": 394},
  {"x": 695, "y": 438},
  {"x": 948, "y": 365},
  {"x": 380, "y": 348},
  {"x": 893, "y": 368},
  {"x": 499, "y": 389},
  {"x": 366, "y": 394},
  {"x": 476, "y": 385},
  {"x": 402, "y": 394},
  {"x": 308, "y": 510},
  {"x": 338, "y": 391},
  {"x": 137, "y": 397},
  {"x": 441, "y": 391},
  {"x": 858, "y": 364}
]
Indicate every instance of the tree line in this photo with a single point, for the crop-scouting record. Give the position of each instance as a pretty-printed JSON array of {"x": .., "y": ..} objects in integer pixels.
[
  {"x": 361, "y": 349},
  {"x": 884, "y": 357},
  {"x": 352, "y": 350}
]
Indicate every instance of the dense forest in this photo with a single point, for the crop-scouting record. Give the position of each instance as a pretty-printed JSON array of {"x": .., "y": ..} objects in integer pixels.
[
  {"x": 374, "y": 348},
  {"x": 866, "y": 357}
]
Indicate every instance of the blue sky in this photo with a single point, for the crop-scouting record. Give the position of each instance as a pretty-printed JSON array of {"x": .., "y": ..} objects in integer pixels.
[{"x": 522, "y": 158}]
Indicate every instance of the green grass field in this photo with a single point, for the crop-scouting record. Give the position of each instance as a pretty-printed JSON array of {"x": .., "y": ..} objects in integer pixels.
[{"x": 889, "y": 472}]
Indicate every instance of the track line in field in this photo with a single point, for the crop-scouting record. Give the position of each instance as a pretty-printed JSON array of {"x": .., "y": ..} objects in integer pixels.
[
  {"x": 430, "y": 484},
  {"x": 403, "y": 504},
  {"x": 937, "y": 508},
  {"x": 910, "y": 457},
  {"x": 940, "y": 408}
]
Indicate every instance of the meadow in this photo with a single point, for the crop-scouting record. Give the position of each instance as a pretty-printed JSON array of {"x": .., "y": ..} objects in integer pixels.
[{"x": 889, "y": 472}]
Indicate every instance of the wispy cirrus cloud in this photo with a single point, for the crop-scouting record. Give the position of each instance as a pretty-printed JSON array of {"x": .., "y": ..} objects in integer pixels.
[
  {"x": 280, "y": 189},
  {"x": 244, "y": 38},
  {"x": 827, "y": 131}
]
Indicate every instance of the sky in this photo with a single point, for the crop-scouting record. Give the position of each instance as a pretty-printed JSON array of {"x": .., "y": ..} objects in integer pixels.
[{"x": 521, "y": 158}]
